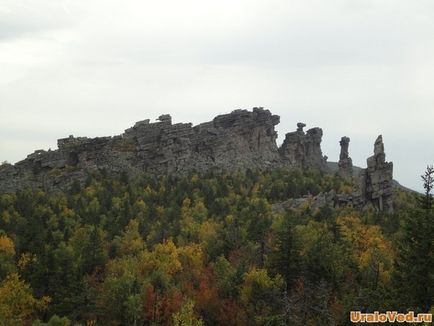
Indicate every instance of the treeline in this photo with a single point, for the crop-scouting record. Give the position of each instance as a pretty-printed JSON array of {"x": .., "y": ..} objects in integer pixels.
[{"x": 209, "y": 250}]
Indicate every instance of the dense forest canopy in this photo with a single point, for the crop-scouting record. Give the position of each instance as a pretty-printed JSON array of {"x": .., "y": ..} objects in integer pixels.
[{"x": 210, "y": 250}]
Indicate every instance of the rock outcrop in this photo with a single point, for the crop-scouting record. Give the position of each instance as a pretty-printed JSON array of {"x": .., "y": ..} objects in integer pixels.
[
  {"x": 239, "y": 140},
  {"x": 330, "y": 199},
  {"x": 374, "y": 186},
  {"x": 345, "y": 164},
  {"x": 236, "y": 141},
  {"x": 303, "y": 150}
]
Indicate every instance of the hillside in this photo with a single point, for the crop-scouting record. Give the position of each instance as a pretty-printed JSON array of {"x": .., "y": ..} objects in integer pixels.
[
  {"x": 209, "y": 225},
  {"x": 122, "y": 250},
  {"x": 233, "y": 142}
]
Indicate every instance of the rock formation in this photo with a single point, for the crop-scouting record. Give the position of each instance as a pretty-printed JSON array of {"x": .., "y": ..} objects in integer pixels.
[
  {"x": 236, "y": 141},
  {"x": 303, "y": 150},
  {"x": 239, "y": 140},
  {"x": 374, "y": 186},
  {"x": 345, "y": 164}
]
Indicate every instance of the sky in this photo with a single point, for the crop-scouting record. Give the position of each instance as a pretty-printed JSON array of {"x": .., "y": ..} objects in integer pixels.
[{"x": 355, "y": 68}]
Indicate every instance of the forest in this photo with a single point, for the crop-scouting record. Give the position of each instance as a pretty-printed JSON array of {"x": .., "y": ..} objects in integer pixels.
[{"x": 210, "y": 250}]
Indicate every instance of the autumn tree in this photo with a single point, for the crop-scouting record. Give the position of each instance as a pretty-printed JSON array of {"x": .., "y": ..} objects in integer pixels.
[
  {"x": 7, "y": 256},
  {"x": 186, "y": 316},
  {"x": 261, "y": 296},
  {"x": 17, "y": 303}
]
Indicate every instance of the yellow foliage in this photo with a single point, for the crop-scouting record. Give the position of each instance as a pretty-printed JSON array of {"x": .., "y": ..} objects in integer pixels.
[
  {"x": 68, "y": 213},
  {"x": 7, "y": 245},
  {"x": 346, "y": 189},
  {"x": 90, "y": 191},
  {"x": 164, "y": 257},
  {"x": 370, "y": 250},
  {"x": 186, "y": 316},
  {"x": 191, "y": 258},
  {"x": 25, "y": 259},
  {"x": 131, "y": 241},
  {"x": 258, "y": 278},
  {"x": 208, "y": 230},
  {"x": 17, "y": 303},
  {"x": 140, "y": 205}
]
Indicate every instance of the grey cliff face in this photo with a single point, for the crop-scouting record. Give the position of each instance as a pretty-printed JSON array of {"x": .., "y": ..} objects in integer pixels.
[
  {"x": 239, "y": 140},
  {"x": 303, "y": 150},
  {"x": 345, "y": 164}
]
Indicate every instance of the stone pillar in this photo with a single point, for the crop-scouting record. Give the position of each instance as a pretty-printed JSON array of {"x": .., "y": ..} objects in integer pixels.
[
  {"x": 345, "y": 164},
  {"x": 376, "y": 181}
]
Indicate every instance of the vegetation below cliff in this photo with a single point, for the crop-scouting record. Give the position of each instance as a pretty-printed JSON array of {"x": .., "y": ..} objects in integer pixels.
[{"x": 210, "y": 250}]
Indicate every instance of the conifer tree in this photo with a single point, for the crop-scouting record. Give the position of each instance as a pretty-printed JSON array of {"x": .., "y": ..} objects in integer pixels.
[{"x": 414, "y": 275}]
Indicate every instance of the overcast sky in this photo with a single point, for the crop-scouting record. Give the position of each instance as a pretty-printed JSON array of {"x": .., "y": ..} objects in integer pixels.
[{"x": 357, "y": 68}]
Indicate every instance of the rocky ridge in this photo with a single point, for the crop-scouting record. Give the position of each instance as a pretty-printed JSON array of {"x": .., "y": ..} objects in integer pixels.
[
  {"x": 239, "y": 140},
  {"x": 373, "y": 187}
]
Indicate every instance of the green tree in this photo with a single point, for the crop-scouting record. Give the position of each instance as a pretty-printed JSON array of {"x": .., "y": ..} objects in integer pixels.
[
  {"x": 284, "y": 256},
  {"x": 414, "y": 275}
]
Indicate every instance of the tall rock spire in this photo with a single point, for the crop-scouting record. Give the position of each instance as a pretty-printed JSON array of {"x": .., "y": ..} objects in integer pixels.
[
  {"x": 376, "y": 181},
  {"x": 345, "y": 164},
  {"x": 379, "y": 177}
]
